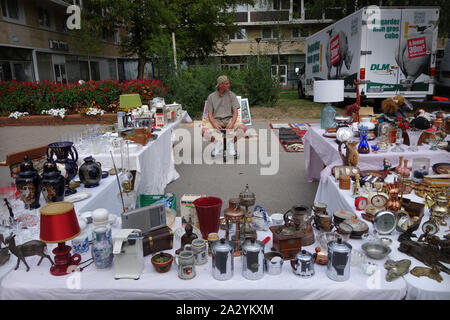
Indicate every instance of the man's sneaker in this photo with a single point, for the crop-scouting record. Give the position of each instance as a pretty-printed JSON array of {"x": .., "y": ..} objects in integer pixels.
[
  {"x": 217, "y": 149},
  {"x": 230, "y": 149}
]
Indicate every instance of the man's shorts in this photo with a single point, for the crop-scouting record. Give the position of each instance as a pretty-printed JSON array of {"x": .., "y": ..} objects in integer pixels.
[{"x": 223, "y": 124}]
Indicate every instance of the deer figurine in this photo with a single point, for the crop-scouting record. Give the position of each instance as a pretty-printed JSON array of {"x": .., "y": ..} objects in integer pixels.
[{"x": 30, "y": 248}]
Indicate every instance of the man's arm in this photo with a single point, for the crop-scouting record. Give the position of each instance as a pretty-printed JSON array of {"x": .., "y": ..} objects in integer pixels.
[
  {"x": 230, "y": 124},
  {"x": 211, "y": 120}
]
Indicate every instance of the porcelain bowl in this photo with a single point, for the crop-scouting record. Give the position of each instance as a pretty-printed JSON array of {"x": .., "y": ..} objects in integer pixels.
[
  {"x": 162, "y": 262},
  {"x": 376, "y": 250}
]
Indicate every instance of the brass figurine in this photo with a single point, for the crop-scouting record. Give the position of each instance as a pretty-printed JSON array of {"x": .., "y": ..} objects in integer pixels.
[
  {"x": 396, "y": 269},
  {"x": 432, "y": 273}
]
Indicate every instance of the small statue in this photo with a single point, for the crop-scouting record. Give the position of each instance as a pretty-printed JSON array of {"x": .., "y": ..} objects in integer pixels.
[
  {"x": 387, "y": 166},
  {"x": 30, "y": 248},
  {"x": 356, "y": 186},
  {"x": 396, "y": 269},
  {"x": 432, "y": 273},
  {"x": 187, "y": 238}
]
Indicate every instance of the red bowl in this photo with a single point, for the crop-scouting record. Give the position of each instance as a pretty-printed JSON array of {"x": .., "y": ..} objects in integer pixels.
[{"x": 162, "y": 262}]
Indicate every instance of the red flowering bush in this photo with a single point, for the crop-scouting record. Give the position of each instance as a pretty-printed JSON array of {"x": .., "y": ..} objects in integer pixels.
[
  {"x": 34, "y": 97},
  {"x": 402, "y": 123}
]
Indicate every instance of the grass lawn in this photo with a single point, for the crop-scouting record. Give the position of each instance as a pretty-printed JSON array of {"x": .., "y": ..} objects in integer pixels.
[{"x": 289, "y": 107}]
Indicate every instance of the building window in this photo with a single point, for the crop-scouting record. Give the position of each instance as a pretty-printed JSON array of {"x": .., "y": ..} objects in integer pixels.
[
  {"x": 281, "y": 4},
  {"x": 270, "y": 33},
  {"x": 239, "y": 35},
  {"x": 300, "y": 32},
  {"x": 44, "y": 17},
  {"x": 10, "y": 9},
  {"x": 276, "y": 4},
  {"x": 116, "y": 37}
]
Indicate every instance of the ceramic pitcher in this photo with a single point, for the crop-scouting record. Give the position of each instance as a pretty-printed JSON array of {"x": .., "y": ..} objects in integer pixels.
[{"x": 186, "y": 263}]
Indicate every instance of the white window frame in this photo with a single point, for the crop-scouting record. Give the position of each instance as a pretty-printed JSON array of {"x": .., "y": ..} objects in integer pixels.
[
  {"x": 271, "y": 33},
  {"x": 116, "y": 36},
  {"x": 243, "y": 32},
  {"x": 20, "y": 13}
]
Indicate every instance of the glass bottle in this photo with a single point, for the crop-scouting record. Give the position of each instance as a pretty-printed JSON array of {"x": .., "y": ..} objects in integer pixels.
[
  {"x": 363, "y": 146},
  {"x": 327, "y": 117}
]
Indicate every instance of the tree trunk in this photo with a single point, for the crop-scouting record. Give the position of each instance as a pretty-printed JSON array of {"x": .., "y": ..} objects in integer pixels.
[
  {"x": 89, "y": 68},
  {"x": 141, "y": 66}
]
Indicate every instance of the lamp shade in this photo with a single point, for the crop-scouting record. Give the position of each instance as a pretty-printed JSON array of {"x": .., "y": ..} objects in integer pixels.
[
  {"x": 59, "y": 222},
  {"x": 328, "y": 91},
  {"x": 130, "y": 101}
]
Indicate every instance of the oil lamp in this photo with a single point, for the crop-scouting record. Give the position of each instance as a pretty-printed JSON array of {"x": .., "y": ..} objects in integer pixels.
[{"x": 233, "y": 216}]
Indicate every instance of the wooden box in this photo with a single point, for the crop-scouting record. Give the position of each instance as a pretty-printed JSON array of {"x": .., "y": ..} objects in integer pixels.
[
  {"x": 344, "y": 182},
  {"x": 287, "y": 245},
  {"x": 158, "y": 240}
]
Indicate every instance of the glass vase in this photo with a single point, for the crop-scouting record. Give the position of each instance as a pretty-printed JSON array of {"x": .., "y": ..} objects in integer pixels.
[
  {"x": 363, "y": 146},
  {"x": 414, "y": 136},
  {"x": 102, "y": 248},
  {"x": 327, "y": 117},
  {"x": 398, "y": 141}
]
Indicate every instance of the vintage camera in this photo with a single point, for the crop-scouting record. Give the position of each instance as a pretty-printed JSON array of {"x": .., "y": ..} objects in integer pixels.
[{"x": 146, "y": 219}]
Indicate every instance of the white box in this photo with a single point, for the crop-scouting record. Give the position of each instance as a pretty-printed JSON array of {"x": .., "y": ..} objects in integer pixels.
[{"x": 187, "y": 209}]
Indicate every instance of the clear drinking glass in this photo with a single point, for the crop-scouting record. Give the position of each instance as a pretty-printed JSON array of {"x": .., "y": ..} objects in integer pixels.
[
  {"x": 398, "y": 141},
  {"x": 414, "y": 136}
]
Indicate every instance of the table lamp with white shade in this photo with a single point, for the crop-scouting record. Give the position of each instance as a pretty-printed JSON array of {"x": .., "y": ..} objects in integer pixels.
[{"x": 328, "y": 91}]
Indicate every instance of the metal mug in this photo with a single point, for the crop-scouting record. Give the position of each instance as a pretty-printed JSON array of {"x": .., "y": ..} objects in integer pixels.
[
  {"x": 186, "y": 263},
  {"x": 273, "y": 263},
  {"x": 200, "y": 251}
]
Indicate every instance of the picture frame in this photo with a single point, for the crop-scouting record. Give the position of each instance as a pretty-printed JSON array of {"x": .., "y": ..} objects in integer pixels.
[
  {"x": 245, "y": 115},
  {"x": 350, "y": 171}
]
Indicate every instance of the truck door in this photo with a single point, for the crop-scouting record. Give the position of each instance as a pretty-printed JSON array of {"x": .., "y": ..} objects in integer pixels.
[
  {"x": 382, "y": 43},
  {"x": 417, "y": 51}
]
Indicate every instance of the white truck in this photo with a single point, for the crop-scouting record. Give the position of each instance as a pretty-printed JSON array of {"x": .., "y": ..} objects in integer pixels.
[{"x": 390, "y": 50}]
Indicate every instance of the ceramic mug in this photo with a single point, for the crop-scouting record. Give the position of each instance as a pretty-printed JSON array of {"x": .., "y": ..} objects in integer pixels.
[
  {"x": 277, "y": 219},
  {"x": 200, "y": 251},
  {"x": 186, "y": 263}
]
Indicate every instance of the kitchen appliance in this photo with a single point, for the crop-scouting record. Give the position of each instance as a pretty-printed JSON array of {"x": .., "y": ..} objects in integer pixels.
[
  {"x": 286, "y": 238},
  {"x": 146, "y": 219},
  {"x": 339, "y": 256},
  {"x": 222, "y": 260},
  {"x": 128, "y": 254}
]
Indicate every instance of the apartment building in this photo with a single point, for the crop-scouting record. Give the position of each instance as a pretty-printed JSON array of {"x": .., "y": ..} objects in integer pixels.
[
  {"x": 277, "y": 28},
  {"x": 35, "y": 44}
]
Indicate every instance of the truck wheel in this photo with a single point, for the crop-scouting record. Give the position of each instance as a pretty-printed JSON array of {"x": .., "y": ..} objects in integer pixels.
[{"x": 301, "y": 94}]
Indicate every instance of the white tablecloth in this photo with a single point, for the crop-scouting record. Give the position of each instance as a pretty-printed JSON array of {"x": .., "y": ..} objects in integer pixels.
[
  {"x": 93, "y": 283},
  {"x": 418, "y": 288},
  {"x": 320, "y": 151},
  {"x": 154, "y": 163}
]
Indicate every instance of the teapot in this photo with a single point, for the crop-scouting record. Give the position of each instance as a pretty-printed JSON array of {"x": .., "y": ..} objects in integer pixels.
[
  {"x": 438, "y": 207},
  {"x": 303, "y": 264}
]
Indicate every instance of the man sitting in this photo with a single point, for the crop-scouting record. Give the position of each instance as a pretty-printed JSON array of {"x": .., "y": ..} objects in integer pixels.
[{"x": 223, "y": 108}]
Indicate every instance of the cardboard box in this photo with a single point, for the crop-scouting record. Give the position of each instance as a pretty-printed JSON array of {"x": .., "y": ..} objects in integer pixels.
[
  {"x": 187, "y": 210},
  {"x": 365, "y": 112}
]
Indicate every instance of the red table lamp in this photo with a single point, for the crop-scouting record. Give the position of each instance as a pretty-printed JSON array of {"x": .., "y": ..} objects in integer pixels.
[{"x": 59, "y": 224}]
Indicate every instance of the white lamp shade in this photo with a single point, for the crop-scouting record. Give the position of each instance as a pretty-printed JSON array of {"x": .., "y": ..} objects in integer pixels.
[{"x": 328, "y": 91}]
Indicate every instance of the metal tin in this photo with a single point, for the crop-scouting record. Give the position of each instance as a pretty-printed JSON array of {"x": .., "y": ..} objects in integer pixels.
[
  {"x": 339, "y": 259},
  {"x": 303, "y": 264},
  {"x": 273, "y": 263},
  {"x": 222, "y": 260},
  {"x": 253, "y": 260}
]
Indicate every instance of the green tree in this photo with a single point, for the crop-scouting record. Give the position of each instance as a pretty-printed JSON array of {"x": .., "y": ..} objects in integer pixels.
[{"x": 148, "y": 25}]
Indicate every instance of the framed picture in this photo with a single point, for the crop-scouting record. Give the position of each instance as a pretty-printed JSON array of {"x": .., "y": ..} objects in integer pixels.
[
  {"x": 246, "y": 117},
  {"x": 205, "y": 114}
]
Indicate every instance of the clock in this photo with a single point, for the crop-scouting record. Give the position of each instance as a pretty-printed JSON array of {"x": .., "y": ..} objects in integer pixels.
[
  {"x": 378, "y": 200},
  {"x": 384, "y": 221},
  {"x": 430, "y": 227},
  {"x": 361, "y": 203}
]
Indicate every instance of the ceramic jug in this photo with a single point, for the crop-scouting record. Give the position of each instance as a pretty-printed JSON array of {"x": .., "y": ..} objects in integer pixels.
[
  {"x": 102, "y": 248},
  {"x": 28, "y": 184},
  {"x": 90, "y": 172},
  {"x": 52, "y": 183},
  {"x": 66, "y": 158},
  {"x": 186, "y": 263},
  {"x": 222, "y": 260}
]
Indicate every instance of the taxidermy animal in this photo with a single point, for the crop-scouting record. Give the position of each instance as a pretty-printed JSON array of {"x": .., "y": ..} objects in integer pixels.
[
  {"x": 28, "y": 249},
  {"x": 351, "y": 157},
  {"x": 413, "y": 67},
  {"x": 345, "y": 55},
  {"x": 353, "y": 109},
  {"x": 395, "y": 107}
]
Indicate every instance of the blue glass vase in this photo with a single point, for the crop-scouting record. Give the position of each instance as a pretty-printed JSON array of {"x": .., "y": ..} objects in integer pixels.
[
  {"x": 327, "y": 117},
  {"x": 102, "y": 248},
  {"x": 363, "y": 146}
]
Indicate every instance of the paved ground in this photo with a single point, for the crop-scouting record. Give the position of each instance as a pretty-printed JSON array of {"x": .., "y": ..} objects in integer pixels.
[{"x": 277, "y": 192}]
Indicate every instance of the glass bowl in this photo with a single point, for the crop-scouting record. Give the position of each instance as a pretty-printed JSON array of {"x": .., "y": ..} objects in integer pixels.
[{"x": 326, "y": 237}]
